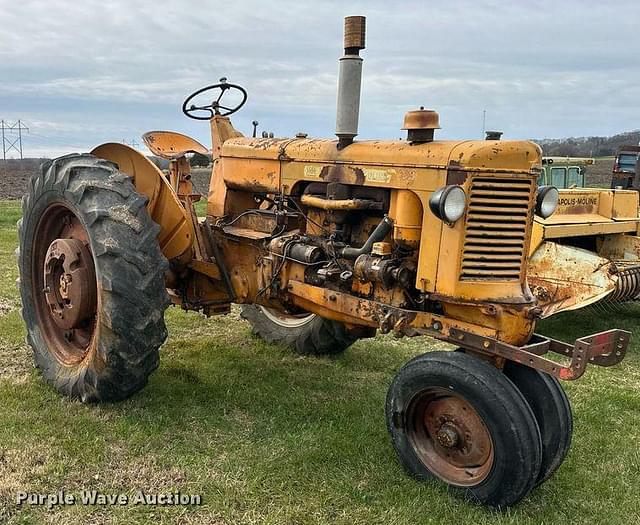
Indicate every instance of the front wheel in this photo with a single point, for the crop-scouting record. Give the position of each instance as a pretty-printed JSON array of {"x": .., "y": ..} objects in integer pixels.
[
  {"x": 457, "y": 418},
  {"x": 91, "y": 279},
  {"x": 550, "y": 405},
  {"x": 304, "y": 332}
]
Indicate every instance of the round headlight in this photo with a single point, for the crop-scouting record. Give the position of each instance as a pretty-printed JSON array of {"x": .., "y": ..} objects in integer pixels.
[
  {"x": 547, "y": 201},
  {"x": 448, "y": 203}
]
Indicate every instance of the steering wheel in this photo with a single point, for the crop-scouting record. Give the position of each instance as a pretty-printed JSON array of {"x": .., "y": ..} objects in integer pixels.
[{"x": 190, "y": 110}]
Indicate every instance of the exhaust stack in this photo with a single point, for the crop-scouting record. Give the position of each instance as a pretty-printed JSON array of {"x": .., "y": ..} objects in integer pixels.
[{"x": 350, "y": 81}]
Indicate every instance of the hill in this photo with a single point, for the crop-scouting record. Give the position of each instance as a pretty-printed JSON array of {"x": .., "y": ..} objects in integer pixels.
[{"x": 588, "y": 146}]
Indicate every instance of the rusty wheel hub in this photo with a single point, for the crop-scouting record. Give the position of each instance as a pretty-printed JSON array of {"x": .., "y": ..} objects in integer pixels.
[
  {"x": 69, "y": 280},
  {"x": 63, "y": 281},
  {"x": 450, "y": 437}
]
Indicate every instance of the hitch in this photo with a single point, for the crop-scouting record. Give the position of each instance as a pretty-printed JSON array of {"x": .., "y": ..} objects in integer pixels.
[{"x": 602, "y": 349}]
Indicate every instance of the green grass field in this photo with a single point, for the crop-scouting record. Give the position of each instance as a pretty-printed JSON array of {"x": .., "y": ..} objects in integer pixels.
[{"x": 265, "y": 436}]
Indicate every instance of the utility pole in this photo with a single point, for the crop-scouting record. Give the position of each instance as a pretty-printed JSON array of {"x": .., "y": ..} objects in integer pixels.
[
  {"x": 131, "y": 143},
  {"x": 484, "y": 122},
  {"x": 10, "y": 140}
]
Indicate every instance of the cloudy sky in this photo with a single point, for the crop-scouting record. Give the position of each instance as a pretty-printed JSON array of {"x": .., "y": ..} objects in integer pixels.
[{"x": 82, "y": 72}]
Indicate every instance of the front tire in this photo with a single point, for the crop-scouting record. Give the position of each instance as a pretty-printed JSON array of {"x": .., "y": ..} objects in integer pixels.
[
  {"x": 457, "y": 418},
  {"x": 91, "y": 279},
  {"x": 552, "y": 410}
]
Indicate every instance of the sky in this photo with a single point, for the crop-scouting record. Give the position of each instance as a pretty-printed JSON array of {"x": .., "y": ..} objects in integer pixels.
[{"x": 79, "y": 73}]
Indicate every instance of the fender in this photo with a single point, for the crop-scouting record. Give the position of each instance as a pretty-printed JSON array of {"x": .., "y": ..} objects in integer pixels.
[
  {"x": 567, "y": 278},
  {"x": 176, "y": 229}
]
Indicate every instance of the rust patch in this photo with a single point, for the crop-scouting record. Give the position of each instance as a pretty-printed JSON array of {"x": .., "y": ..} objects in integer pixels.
[
  {"x": 566, "y": 278},
  {"x": 407, "y": 177},
  {"x": 456, "y": 177},
  {"x": 342, "y": 174}
]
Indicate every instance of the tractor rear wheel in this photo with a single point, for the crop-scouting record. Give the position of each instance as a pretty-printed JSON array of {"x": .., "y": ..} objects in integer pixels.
[
  {"x": 458, "y": 418},
  {"x": 91, "y": 279},
  {"x": 550, "y": 405},
  {"x": 305, "y": 333}
]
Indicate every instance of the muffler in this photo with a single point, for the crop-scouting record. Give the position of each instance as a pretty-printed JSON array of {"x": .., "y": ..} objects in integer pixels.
[{"x": 350, "y": 81}]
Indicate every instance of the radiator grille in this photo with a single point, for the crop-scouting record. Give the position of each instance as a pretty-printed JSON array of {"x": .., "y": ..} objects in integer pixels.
[{"x": 496, "y": 229}]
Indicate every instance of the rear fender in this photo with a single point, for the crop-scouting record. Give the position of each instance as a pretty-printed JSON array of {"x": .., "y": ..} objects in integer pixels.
[{"x": 176, "y": 229}]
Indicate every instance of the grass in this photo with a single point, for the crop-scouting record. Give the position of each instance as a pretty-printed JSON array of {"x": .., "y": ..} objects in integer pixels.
[{"x": 265, "y": 436}]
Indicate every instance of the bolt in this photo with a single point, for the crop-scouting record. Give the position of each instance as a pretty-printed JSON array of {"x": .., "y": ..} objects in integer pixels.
[{"x": 65, "y": 281}]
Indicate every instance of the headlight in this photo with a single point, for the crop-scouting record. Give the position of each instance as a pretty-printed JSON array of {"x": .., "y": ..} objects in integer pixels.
[
  {"x": 547, "y": 201},
  {"x": 448, "y": 203}
]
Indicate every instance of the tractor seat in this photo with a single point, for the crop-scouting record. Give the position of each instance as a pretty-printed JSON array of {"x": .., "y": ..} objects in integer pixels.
[{"x": 171, "y": 145}]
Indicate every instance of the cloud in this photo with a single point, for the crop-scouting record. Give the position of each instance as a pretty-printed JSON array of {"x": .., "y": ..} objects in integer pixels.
[{"x": 94, "y": 71}]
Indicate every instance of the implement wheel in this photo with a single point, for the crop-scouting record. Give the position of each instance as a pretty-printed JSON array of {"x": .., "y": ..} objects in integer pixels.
[
  {"x": 550, "y": 405},
  {"x": 456, "y": 417},
  {"x": 91, "y": 279},
  {"x": 305, "y": 333}
]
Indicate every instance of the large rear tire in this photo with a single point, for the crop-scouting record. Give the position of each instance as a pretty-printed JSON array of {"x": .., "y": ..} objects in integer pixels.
[
  {"x": 91, "y": 279},
  {"x": 306, "y": 333},
  {"x": 457, "y": 418}
]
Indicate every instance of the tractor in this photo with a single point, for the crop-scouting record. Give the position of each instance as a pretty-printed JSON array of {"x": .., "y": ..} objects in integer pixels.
[
  {"x": 588, "y": 251},
  {"x": 625, "y": 167},
  {"x": 322, "y": 242}
]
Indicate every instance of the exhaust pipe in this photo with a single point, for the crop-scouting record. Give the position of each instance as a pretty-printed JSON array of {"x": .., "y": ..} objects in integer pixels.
[{"x": 350, "y": 81}]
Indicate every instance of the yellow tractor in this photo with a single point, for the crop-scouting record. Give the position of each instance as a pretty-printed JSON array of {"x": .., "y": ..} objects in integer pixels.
[
  {"x": 322, "y": 242},
  {"x": 588, "y": 251}
]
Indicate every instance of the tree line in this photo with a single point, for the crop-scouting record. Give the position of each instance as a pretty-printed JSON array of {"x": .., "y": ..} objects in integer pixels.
[{"x": 589, "y": 146}]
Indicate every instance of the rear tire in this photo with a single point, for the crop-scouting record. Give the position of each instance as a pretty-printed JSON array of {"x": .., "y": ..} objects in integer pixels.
[
  {"x": 308, "y": 334},
  {"x": 95, "y": 332},
  {"x": 552, "y": 410},
  {"x": 458, "y": 418}
]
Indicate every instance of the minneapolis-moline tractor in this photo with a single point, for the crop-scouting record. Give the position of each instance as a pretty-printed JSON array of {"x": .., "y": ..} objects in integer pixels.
[
  {"x": 322, "y": 242},
  {"x": 588, "y": 251}
]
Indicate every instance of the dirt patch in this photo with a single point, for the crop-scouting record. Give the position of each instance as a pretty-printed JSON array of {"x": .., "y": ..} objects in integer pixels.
[
  {"x": 200, "y": 178},
  {"x": 6, "y": 306},
  {"x": 15, "y": 176},
  {"x": 31, "y": 470},
  {"x": 15, "y": 362},
  {"x": 600, "y": 173},
  {"x": 18, "y": 469}
]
